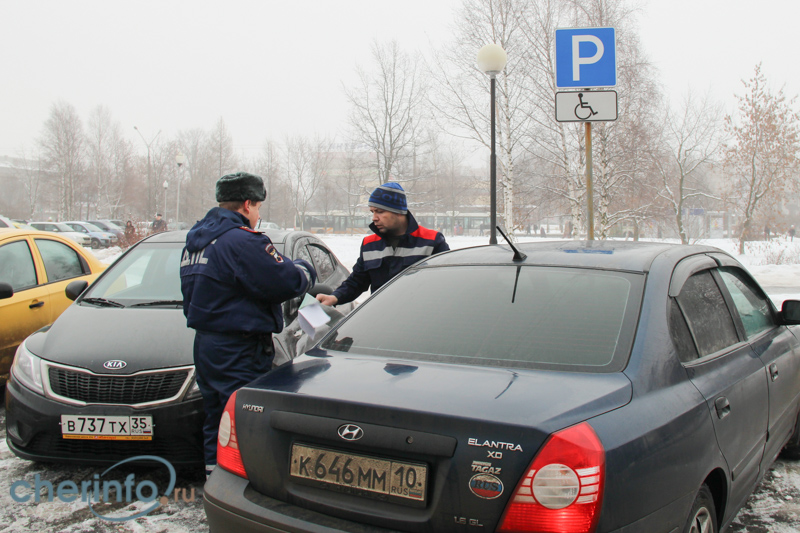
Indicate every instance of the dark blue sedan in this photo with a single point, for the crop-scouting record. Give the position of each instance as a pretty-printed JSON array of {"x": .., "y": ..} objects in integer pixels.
[{"x": 571, "y": 387}]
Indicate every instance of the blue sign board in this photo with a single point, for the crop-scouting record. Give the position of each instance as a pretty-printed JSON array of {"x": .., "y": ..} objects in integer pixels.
[{"x": 586, "y": 57}]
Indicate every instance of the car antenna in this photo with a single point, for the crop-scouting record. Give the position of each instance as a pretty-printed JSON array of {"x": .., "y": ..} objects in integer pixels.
[{"x": 518, "y": 256}]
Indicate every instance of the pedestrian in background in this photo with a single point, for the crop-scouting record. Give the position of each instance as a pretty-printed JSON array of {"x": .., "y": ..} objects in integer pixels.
[
  {"x": 791, "y": 233},
  {"x": 158, "y": 224},
  {"x": 233, "y": 282},
  {"x": 130, "y": 233},
  {"x": 398, "y": 242}
]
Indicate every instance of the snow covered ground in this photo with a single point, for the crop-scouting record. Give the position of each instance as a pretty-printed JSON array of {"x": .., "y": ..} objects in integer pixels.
[{"x": 773, "y": 508}]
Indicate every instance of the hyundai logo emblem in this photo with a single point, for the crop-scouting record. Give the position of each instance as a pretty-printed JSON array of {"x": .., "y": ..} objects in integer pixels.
[
  {"x": 115, "y": 365},
  {"x": 350, "y": 432}
]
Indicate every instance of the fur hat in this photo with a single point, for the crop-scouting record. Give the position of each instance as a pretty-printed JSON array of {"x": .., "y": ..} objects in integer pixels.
[
  {"x": 240, "y": 187},
  {"x": 391, "y": 197}
]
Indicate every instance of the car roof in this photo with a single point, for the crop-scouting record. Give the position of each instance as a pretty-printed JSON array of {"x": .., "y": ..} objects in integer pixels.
[{"x": 632, "y": 256}]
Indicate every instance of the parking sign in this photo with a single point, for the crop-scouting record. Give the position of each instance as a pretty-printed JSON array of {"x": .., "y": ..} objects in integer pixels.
[{"x": 586, "y": 57}]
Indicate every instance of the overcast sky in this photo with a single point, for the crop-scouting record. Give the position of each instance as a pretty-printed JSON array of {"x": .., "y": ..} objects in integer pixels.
[{"x": 271, "y": 68}]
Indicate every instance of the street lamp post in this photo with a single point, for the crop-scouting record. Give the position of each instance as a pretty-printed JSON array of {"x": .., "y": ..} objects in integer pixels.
[
  {"x": 166, "y": 184},
  {"x": 180, "y": 159},
  {"x": 149, "y": 184},
  {"x": 492, "y": 60}
]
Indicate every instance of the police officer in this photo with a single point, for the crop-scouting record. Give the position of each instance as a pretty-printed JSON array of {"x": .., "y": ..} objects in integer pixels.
[
  {"x": 398, "y": 242},
  {"x": 233, "y": 282}
]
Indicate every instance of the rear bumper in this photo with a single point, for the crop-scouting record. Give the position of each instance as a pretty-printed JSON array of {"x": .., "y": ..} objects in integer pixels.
[{"x": 232, "y": 505}]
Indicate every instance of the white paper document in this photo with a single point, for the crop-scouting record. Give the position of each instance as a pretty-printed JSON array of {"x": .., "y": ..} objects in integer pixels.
[{"x": 312, "y": 317}]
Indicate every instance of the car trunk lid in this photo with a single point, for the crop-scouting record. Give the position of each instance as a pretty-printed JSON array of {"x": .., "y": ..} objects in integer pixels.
[{"x": 407, "y": 445}]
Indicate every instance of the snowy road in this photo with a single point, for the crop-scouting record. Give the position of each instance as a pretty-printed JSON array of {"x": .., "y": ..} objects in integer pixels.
[{"x": 773, "y": 508}]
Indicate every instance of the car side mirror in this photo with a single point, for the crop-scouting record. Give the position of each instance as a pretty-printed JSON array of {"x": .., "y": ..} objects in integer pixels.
[
  {"x": 790, "y": 312},
  {"x": 320, "y": 288},
  {"x": 6, "y": 291},
  {"x": 75, "y": 289}
]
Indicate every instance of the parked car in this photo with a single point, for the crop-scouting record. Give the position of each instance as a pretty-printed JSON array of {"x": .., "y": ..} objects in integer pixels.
[
  {"x": 74, "y": 397},
  {"x": 59, "y": 227},
  {"x": 35, "y": 268},
  {"x": 6, "y": 222},
  {"x": 590, "y": 386},
  {"x": 99, "y": 237},
  {"x": 264, "y": 225},
  {"x": 110, "y": 227}
]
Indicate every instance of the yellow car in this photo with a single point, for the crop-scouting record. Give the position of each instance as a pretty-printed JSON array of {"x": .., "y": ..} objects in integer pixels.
[{"x": 35, "y": 268}]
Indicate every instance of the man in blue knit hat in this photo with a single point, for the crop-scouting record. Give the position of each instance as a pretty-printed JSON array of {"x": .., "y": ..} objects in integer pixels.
[
  {"x": 398, "y": 242},
  {"x": 233, "y": 282}
]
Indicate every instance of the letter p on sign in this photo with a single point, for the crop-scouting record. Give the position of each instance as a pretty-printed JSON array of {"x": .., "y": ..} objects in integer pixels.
[{"x": 585, "y": 58}]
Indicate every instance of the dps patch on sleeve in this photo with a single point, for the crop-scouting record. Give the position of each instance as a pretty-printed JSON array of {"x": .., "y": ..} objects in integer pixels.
[{"x": 274, "y": 253}]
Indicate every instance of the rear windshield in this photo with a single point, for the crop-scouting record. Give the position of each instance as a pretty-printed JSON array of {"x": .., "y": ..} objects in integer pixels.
[{"x": 508, "y": 316}]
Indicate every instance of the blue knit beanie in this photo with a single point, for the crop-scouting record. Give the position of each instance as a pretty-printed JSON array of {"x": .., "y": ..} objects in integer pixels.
[{"x": 391, "y": 197}]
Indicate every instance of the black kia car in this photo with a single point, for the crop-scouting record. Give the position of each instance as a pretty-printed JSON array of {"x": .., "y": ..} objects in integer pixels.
[
  {"x": 113, "y": 377},
  {"x": 567, "y": 387}
]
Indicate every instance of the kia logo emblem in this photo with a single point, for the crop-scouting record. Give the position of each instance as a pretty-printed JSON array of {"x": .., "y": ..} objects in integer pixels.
[
  {"x": 350, "y": 432},
  {"x": 115, "y": 365}
]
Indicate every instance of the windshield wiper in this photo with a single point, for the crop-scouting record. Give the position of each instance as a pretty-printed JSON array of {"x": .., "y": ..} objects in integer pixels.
[
  {"x": 102, "y": 302},
  {"x": 158, "y": 302}
]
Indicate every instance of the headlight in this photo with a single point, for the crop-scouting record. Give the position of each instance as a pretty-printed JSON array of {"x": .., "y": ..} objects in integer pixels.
[{"x": 27, "y": 369}]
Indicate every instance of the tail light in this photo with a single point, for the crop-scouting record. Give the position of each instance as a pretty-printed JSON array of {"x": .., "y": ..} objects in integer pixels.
[
  {"x": 562, "y": 490},
  {"x": 228, "y": 456}
]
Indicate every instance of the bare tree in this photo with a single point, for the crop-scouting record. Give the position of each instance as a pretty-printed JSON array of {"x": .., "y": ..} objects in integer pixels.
[
  {"x": 63, "y": 148},
  {"x": 463, "y": 102},
  {"x": 110, "y": 159},
  {"x": 762, "y": 157},
  {"x": 32, "y": 177},
  {"x": 221, "y": 145},
  {"x": 386, "y": 108},
  {"x": 307, "y": 164},
  {"x": 688, "y": 145}
]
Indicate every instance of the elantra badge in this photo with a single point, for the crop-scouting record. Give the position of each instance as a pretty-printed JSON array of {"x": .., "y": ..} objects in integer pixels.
[
  {"x": 350, "y": 432},
  {"x": 115, "y": 365}
]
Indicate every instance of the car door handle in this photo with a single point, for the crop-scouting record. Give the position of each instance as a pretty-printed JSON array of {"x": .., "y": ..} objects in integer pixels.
[
  {"x": 37, "y": 304},
  {"x": 723, "y": 407},
  {"x": 773, "y": 371}
]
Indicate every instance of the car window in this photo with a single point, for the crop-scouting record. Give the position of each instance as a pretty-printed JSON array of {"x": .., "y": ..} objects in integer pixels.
[
  {"x": 681, "y": 336},
  {"x": 148, "y": 273},
  {"x": 78, "y": 228},
  {"x": 753, "y": 308},
  {"x": 301, "y": 252},
  {"x": 60, "y": 261},
  {"x": 527, "y": 317},
  {"x": 16, "y": 265},
  {"x": 323, "y": 261},
  {"x": 706, "y": 314}
]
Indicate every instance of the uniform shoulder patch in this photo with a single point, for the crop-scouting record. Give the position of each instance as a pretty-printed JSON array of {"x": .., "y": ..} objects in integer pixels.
[{"x": 270, "y": 249}]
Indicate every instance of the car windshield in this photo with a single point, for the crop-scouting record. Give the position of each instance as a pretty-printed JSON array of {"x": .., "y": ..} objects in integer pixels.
[
  {"x": 508, "y": 316},
  {"x": 148, "y": 273},
  {"x": 64, "y": 228}
]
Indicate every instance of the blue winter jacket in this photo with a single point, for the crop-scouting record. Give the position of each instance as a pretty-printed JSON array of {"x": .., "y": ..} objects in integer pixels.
[
  {"x": 379, "y": 262},
  {"x": 233, "y": 279}
]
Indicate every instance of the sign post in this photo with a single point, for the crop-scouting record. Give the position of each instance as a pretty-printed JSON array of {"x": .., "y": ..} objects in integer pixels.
[{"x": 586, "y": 58}]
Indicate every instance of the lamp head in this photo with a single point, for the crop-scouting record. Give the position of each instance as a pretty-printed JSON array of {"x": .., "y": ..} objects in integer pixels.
[{"x": 492, "y": 59}]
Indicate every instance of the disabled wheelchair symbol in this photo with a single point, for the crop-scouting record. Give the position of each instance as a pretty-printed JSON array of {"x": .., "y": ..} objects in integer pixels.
[{"x": 583, "y": 110}]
